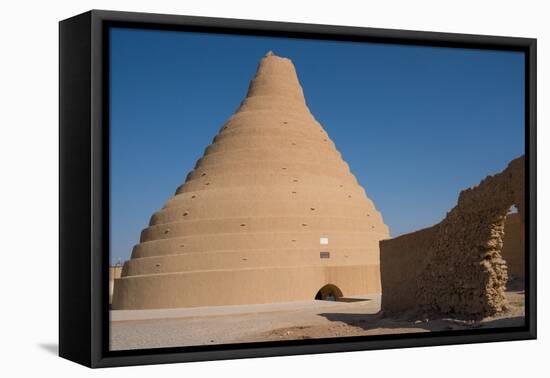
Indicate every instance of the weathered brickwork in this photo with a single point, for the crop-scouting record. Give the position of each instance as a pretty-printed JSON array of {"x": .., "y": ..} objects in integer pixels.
[{"x": 460, "y": 272}]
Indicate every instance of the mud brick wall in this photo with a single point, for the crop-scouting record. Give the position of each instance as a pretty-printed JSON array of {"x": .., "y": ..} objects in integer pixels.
[
  {"x": 513, "y": 251},
  {"x": 401, "y": 259}
]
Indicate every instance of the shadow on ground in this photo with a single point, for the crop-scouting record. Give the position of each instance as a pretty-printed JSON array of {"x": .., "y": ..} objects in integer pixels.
[
  {"x": 374, "y": 321},
  {"x": 517, "y": 321},
  {"x": 52, "y": 348},
  {"x": 351, "y": 300}
]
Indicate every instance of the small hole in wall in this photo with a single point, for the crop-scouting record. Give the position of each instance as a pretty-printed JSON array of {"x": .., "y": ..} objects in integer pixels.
[
  {"x": 349, "y": 195},
  {"x": 293, "y": 192},
  {"x": 285, "y": 122},
  {"x": 304, "y": 224},
  {"x": 157, "y": 265},
  {"x": 207, "y": 183},
  {"x": 283, "y": 168},
  {"x": 295, "y": 180},
  {"x": 186, "y": 213},
  {"x": 312, "y": 208},
  {"x": 341, "y": 186},
  {"x": 243, "y": 224},
  {"x": 293, "y": 144},
  {"x": 324, "y": 140},
  {"x": 245, "y": 259},
  {"x": 368, "y": 215},
  {"x": 167, "y": 231},
  {"x": 182, "y": 245},
  {"x": 204, "y": 174},
  {"x": 193, "y": 196},
  {"x": 294, "y": 240}
]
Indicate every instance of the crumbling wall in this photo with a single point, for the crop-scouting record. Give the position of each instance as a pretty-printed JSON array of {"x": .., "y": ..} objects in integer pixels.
[{"x": 459, "y": 272}]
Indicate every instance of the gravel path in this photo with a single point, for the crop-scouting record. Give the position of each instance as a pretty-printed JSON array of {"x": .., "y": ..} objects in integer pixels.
[{"x": 297, "y": 320}]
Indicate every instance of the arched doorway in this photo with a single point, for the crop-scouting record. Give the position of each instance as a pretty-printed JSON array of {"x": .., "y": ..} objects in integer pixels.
[{"x": 328, "y": 292}]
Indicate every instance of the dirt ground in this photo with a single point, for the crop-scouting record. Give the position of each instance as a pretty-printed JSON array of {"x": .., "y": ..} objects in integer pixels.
[
  {"x": 287, "y": 321},
  {"x": 358, "y": 324}
]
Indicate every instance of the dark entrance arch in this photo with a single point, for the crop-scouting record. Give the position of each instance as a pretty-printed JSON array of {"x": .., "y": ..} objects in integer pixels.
[{"x": 329, "y": 292}]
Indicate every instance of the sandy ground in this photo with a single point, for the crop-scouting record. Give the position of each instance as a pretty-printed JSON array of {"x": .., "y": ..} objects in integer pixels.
[{"x": 281, "y": 321}]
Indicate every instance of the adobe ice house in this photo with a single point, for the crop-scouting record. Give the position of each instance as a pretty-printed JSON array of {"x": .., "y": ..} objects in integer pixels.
[{"x": 271, "y": 213}]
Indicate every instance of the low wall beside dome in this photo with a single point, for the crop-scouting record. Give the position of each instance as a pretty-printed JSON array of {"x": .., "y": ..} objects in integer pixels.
[
  {"x": 513, "y": 250},
  {"x": 115, "y": 272},
  {"x": 401, "y": 261}
]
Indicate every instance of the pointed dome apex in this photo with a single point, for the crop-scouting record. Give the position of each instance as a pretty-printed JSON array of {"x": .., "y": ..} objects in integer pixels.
[
  {"x": 276, "y": 76},
  {"x": 272, "y": 56}
]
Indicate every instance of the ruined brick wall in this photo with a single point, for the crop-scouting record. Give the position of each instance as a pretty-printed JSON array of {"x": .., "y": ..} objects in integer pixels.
[
  {"x": 401, "y": 259},
  {"x": 461, "y": 272}
]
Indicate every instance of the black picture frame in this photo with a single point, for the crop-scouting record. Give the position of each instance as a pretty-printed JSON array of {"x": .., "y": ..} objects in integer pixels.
[{"x": 84, "y": 188}]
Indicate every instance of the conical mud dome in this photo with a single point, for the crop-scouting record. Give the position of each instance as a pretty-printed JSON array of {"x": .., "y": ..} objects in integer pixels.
[{"x": 271, "y": 213}]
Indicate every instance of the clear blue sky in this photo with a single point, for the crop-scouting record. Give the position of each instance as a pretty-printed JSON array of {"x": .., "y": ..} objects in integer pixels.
[{"x": 415, "y": 124}]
